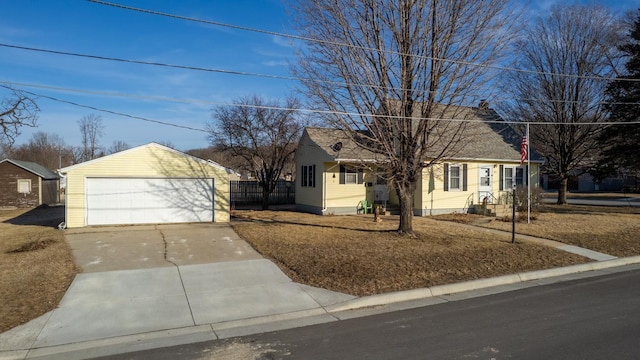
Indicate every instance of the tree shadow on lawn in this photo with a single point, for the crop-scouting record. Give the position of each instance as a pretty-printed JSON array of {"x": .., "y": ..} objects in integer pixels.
[
  {"x": 48, "y": 216},
  {"x": 273, "y": 219}
]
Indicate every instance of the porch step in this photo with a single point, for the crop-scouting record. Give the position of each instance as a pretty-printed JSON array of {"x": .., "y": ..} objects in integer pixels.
[{"x": 496, "y": 210}]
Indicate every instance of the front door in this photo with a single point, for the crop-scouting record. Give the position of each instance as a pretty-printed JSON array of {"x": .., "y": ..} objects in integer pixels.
[{"x": 484, "y": 184}]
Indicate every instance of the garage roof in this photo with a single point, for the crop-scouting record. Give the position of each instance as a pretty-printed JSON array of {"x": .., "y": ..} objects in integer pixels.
[{"x": 151, "y": 145}]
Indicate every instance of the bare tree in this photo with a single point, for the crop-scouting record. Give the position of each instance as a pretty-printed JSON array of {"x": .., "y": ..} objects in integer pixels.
[
  {"x": 565, "y": 53},
  {"x": 221, "y": 155},
  {"x": 262, "y": 133},
  {"x": 117, "y": 146},
  {"x": 166, "y": 143},
  {"x": 46, "y": 149},
  {"x": 91, "y": 129},
  {"x": 393, "y": 68},
  {"x": 16, "y": 110}
]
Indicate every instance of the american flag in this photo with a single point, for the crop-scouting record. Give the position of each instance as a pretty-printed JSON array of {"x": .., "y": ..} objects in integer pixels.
[{"x": 523, "y": 150}]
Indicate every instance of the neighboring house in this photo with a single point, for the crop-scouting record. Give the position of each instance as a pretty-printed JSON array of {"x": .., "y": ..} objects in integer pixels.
[
  {"x": 148, "y": 184},
  {"x": 27, "y": 184},
  {"x": 335, "y": 174}
]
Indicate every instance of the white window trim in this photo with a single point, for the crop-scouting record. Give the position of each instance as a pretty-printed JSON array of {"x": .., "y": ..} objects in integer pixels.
[
  {"x": 22, "y": 182},
  {"x": 514, "y": 177},
  {"x": 350, "y": 176},
  {"x": 451, "y": 187}
]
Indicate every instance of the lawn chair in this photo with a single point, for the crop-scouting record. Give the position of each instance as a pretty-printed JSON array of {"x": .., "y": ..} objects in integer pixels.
[{"x": 364, "y": 207}]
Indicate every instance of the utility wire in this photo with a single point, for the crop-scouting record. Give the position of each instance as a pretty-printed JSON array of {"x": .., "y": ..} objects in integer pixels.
[
  {"x": 232, "y": 72},
  {"x": 494, "y": 119},
  {"x": 185, "y": 67},
  {"x": 216, "y": 103},
  {"x": 335, "y": 43},
  {"x": 107, "y": 111}
]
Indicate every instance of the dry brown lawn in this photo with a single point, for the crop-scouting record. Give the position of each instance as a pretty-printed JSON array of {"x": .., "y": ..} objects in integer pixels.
[
  {"x": 350, "y": 254},
  {"x": 353, "y": 254},
  {"x": 614, "y": 231},
  {"x": 36, "y": 268}
]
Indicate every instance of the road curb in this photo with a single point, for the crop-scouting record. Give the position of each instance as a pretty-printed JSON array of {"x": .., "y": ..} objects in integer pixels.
[
  {"x": 441, "y": 290},
  {"x": 143, "y": 341}
]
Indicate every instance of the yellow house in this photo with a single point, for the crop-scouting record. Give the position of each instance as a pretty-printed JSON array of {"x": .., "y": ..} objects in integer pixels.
[
  {"x": 148, "y": 184},
  {"x": 334, "y": 174}
]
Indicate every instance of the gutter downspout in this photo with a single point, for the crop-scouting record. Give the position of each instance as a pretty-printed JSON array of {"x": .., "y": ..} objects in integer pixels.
[{"x": 324, "y": 187}]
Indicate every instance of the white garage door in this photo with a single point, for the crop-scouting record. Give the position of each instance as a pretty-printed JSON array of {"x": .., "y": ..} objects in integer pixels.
[{"x": 113, "y": 201}]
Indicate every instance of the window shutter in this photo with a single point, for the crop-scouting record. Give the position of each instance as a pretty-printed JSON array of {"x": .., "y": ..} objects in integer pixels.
[
  {"x": 501, "y": 177},
  {"x": 446, "y": 177},
  {"x": 360, "y": 176},
  {"x": 464, "y": 177},
  {"x": 303, "y": 176},
  {"x": 525, "y": 176},
  {"x": 342, "y": 171}
]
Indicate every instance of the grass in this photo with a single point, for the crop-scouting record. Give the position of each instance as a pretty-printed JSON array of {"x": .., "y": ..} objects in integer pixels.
[
  {"x": 350, "y": 254},
  {"x": 614, "y": 231},
  {"x": 36, "y": 268},
  {"x": 353, "y": 254}
]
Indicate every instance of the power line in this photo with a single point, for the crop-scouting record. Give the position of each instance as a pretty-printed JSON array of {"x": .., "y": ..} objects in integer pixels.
[
  {"x": 57, "y": 52},
  {"x": 140, "y": 62},
  {"x": 496, "y": 120},
  {"x": 335, "y": 43},
  {"x": 107, "y": 111},
  {"x": 207, "y": 102}
]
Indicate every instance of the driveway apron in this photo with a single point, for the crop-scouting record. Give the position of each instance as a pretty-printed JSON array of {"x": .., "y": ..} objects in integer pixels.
[{"x": 139, "y": 279}]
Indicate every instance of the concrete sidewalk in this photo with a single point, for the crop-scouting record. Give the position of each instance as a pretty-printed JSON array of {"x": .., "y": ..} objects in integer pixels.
[{"x": 118, "y": 311}]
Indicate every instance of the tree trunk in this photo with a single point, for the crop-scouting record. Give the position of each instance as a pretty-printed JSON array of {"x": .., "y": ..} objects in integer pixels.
[
  {"x": 562, "y": 191},
  {"x": 405, "y": 195},
  {"x": 265, "y": 199}
]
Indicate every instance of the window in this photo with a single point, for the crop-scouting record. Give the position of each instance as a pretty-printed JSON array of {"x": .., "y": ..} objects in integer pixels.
[
  {"x": 24, "y": 186},
  {"x": 308, "y": 176},
  {"x": 508, "y": 177},
  {"x": 520, "y": 176},
  {"x": 454, "y": 177},
  {"x": 350, "y": 175},
  {"x": 513, "y": 174}
]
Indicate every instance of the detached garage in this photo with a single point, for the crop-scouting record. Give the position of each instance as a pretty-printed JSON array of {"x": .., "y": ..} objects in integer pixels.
[{"x": 149, "y": 184}]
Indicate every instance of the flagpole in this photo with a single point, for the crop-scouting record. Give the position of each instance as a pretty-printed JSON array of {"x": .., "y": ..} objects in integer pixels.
[{"x": 528, "y": 176}]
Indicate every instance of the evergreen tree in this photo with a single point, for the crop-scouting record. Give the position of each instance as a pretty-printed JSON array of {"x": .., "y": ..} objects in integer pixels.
[{"x": 621, "y": 142}]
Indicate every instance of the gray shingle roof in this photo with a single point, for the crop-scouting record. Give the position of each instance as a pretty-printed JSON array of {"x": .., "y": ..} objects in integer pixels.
[
  {"x": 484, "y": 139},
  {"x": 34, "y": 168}
]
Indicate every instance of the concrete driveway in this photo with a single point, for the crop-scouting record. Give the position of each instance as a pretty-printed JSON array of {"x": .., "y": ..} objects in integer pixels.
[
  {"x": 200, "y": 280},
  {"x": 151, "y": 246}
]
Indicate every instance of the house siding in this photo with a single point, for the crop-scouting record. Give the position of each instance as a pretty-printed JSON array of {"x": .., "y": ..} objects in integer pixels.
[
  {"x": 309, "y": 198},
  {"x": 433, "y": 199},
  {"x": 143, "y": 162},
  {"x": 9, "y": 195},
  {"x": 344, "y": 198}
]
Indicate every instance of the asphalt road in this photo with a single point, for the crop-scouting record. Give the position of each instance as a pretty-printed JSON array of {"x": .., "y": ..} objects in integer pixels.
[{"x": 592, "y": 318}]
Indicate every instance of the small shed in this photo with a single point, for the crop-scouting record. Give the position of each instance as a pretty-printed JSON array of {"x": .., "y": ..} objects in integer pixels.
[
  {"x": 148, "y": 184},
  {"x": 27, "y": 184}
]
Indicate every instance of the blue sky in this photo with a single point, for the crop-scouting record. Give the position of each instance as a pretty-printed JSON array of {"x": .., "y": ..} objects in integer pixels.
[{"x": 176, "y": 96}]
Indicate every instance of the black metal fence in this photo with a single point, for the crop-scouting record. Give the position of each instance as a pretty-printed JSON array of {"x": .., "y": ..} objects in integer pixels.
[{"x": 246, "y": 192}]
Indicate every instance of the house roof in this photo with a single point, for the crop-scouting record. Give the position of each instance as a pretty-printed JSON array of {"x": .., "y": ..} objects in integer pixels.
[
  {"x": 486, "y": 137},
  {"x": 34, "y": 168},
  {"x": 150, "y": 145}
]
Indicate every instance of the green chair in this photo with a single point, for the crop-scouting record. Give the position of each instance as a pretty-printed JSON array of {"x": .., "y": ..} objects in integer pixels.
[{"x": 364, "y": 207}]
